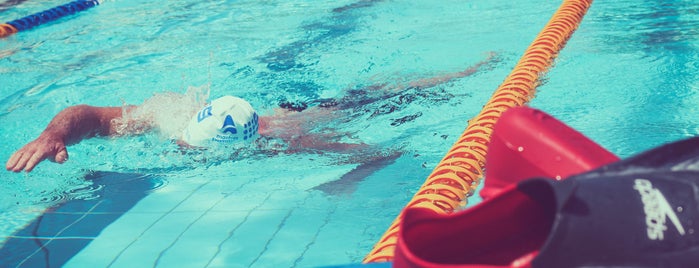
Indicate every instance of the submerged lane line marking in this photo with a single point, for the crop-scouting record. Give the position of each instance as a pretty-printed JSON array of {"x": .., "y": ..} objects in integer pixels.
[{"x": 51, "y": 238}]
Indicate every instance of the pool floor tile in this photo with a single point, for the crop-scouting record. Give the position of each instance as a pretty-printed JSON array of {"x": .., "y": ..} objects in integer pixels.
[
  {"x": 113, "y": 239},
  {"x": 199, "y": 223},
  {"x": 146, "y": 247},
  {"x": 200, "y": 243}
]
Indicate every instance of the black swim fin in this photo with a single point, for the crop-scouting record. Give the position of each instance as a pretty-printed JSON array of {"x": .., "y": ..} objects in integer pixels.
[{"x": 676, "y": 156}]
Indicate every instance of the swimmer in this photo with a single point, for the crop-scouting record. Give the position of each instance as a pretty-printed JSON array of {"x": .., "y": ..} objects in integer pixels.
[{"x": 226, "y": 120}]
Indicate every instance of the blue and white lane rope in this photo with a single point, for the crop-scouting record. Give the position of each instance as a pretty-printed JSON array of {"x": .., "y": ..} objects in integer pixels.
[{"x": 36, "y": 19}]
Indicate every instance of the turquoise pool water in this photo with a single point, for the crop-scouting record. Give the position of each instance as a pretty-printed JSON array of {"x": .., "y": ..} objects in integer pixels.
[{"x": 626, "y": 79}]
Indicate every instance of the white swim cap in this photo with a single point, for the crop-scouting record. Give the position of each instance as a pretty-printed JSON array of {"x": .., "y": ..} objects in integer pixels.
[{"x": 226, "y": 120}]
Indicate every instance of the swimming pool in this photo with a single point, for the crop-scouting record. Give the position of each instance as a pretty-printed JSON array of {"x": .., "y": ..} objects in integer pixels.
[{"x": 624, "y": 79}]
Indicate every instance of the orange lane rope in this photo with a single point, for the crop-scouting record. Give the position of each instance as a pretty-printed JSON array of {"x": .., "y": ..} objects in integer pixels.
[
  {"x": 461, "y": 169},
  {"x": 7, "y": 30}
]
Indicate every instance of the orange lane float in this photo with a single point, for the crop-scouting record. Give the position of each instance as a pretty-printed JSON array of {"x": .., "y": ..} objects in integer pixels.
[{"x": 461, "y": 170}]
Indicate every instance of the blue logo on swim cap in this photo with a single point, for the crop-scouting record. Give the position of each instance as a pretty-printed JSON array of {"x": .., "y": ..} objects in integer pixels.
[
  {"x": 204, "y": 113},
  {"x": 229, "y": 125},
  {"x": 251, "y": 127}
]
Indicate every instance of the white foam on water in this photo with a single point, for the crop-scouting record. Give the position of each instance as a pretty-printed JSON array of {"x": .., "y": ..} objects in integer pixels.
[{"x": 167, "y": 112}]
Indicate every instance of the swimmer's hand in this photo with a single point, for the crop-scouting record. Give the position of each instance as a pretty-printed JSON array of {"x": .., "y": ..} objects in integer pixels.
[
  {"x": 44, "y": 147},
  {"x": 68, "y": 127}
]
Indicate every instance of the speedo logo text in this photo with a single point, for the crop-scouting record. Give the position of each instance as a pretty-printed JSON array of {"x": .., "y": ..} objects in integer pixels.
[{"x": 657, "y": 210}]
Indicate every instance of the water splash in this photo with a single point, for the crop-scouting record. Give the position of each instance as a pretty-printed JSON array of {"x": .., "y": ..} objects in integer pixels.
[{"x": 167, "y": 113}]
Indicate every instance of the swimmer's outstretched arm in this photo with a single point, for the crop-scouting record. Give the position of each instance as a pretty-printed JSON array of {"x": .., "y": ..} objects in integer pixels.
[
  {"x": 68, "y": 127},
  {"x": 431, "y": 82}
]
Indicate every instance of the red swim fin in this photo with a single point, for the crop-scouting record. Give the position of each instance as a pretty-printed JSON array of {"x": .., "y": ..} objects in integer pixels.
[
  {"x": 504, "y": 231},
  {"x": 528, "y": 143}
]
